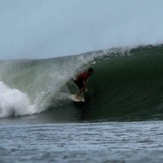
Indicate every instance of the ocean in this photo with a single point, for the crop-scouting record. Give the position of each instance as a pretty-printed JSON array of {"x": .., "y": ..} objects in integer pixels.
[{"x": 120, "y": 121}]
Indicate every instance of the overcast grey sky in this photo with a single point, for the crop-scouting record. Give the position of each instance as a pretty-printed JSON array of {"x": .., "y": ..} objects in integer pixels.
[{"x": 51, "y": 28}]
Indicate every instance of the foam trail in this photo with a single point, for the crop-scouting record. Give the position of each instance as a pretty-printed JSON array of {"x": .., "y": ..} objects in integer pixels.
[{"x": 14, "y": 102}]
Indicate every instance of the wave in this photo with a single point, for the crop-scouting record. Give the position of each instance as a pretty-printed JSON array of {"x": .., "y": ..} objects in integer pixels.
[{"x": 127, "y": 85}]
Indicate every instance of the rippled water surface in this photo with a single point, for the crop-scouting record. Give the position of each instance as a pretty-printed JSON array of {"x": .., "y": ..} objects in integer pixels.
[{"x": 82, "y": 142}]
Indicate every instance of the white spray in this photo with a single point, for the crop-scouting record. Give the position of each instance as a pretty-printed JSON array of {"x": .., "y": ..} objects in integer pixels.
[{"x": 14, "y": 102}]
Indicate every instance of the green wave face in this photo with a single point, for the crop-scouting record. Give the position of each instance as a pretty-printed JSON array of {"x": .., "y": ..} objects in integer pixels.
[{"x": 128, "y": 87}]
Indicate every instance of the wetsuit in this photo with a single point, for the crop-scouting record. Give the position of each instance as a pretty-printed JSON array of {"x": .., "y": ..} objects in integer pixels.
[{"x": 81, "y": 78}]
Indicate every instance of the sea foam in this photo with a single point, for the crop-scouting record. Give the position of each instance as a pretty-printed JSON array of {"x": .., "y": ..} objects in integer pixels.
[{"x": 14, "y": 102}]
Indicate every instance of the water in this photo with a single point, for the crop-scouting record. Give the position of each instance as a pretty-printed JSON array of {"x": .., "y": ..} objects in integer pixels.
[{"x": 82, "y": 142}]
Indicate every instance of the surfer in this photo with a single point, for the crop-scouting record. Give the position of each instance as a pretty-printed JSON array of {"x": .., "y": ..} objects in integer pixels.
[{"x": 81, "y": 81}]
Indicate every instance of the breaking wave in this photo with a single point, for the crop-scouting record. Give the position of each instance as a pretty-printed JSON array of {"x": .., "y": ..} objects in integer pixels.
[{"x": 127, "y": 85}]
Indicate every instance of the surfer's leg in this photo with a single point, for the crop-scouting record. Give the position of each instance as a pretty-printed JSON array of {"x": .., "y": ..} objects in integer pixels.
[
  {"x": 80, "y": 92},
  {"x": 81, "y": 88}
]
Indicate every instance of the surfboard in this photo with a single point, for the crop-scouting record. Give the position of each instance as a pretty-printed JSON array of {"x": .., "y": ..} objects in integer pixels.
[{"x": 73, "y": 97}]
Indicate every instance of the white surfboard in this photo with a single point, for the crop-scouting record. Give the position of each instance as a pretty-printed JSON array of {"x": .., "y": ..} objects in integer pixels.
[{"x": 80, "y": 99}]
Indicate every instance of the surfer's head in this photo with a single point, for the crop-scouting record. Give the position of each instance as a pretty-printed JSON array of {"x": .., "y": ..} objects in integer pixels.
[{"x": 90, "y": 71}]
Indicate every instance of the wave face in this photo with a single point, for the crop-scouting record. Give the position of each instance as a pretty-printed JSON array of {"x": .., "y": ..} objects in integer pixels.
[
  {"x": 126, "y": 85},
  {"x": 129, "y": 87}
]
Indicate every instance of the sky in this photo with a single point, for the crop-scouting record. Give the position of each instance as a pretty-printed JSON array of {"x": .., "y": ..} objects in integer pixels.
[{"x": 32, "y": 29}]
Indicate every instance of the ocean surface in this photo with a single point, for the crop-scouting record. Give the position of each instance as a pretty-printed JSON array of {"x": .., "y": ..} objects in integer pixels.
[
  {"x": 121, "y": 120},
  {"x": 115, "y": 142}
]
